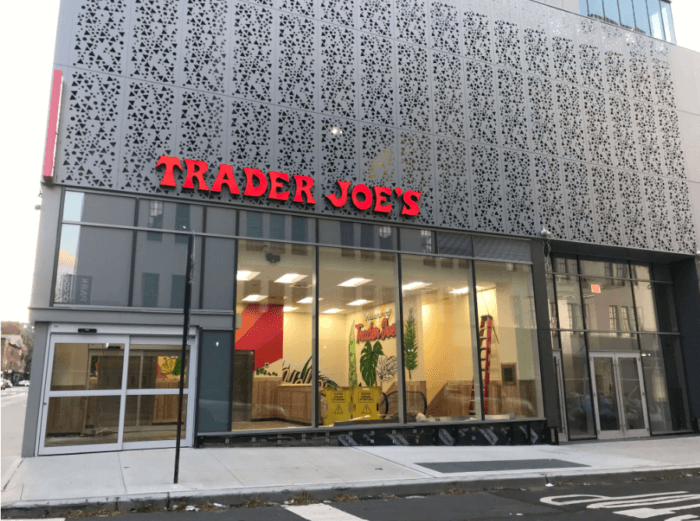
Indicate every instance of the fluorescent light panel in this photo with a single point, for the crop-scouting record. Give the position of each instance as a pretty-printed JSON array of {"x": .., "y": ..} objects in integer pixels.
[
  {"x": 414, "y": 285},
  {"x": 307, "y": 300},
  {"x": 460, "y": 291},
  {"x": 353, "y": 283},
  {"x": 359, "y": 302},
  {"x": 246, "y": 275},
  {"x": 287, "y": 309},
  {"x": 254, "y": 298},
  {"x": 290, "y": 278},
  {"x": 332, "y": 310}
]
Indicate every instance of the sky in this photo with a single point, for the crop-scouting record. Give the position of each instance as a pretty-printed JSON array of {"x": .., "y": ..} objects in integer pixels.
[{"x": 27, "y": 59}]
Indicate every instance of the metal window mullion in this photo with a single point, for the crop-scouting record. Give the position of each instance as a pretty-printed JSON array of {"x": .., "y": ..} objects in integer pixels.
[
  {"x": 476, "y": 346},
  {"x": 585, "y": 345},
  {"x": 315, "y": 342},
  {"x": 401, "y": 373},
  {"x": 155, "y": 392},
  {"x": 59, "y": 234}
]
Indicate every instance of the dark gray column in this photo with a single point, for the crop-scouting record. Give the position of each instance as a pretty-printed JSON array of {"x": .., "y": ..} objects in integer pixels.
[
  {"x": 550, "y": 389},
  {"x": 686, "y": 289},
  {"x": 31, "y": 418}
]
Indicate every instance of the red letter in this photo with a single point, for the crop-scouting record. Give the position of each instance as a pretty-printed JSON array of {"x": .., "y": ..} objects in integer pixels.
[
  {"x": 275, "y": 185},
  {"x": 254, "y": 191},
  {"x": 169, "y": 175},
  {"x": 381, "y": 194},
  {"x": 362, "y": 189},
  {"x": 410, "y": 202},
  {"x": 195, "y": 170},
  {"x": 225, "y": 177},
  {"x": 340, "y": 201},
  {"x": 303, "y": 185}
]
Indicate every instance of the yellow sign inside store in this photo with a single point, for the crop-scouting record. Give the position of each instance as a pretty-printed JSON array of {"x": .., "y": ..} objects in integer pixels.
[
  {"x": 338, "y": 401},
  {"x": 366, "y": 403}
]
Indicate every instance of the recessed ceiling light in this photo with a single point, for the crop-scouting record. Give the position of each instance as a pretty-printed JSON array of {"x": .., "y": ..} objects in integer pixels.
[
  {"x": 307, "y": 300},
  {"x": 287, "y": 309},
  {"x": 290, "y": 278},
  {"x": 246, "y": 275},
  {"x": 358, "y": 302},
  {"x": 332, "y": 310},
  {"x": 353, "y": 283},
  {"x": 414, "y": 285},
  {"x": 254, "y": 298},
  {"x": 460, "y": 291}
]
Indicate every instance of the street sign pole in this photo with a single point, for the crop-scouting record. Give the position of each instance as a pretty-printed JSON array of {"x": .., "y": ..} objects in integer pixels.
[{"x": 189, "y": 273}]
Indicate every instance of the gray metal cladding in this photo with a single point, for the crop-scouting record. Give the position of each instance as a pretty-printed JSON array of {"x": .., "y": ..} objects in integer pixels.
[{"x": 508, "y": 115}]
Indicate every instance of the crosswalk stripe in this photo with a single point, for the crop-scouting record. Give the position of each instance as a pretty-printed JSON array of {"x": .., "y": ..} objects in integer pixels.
[{"x": 322, "y": 513}]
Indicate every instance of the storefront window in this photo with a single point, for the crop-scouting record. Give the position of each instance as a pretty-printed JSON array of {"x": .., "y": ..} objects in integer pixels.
[
  {"x": 153, "y": 417},
  {"x": 569, "y": 302},
  {"x": 181, "y": 217},
  {"x": 219, "y": 271},
  {"x": 612, "y": 342},
  {"x": 357, "y": 337},
  {"x": 579, "y": 407},
  {"x": 82, "y": 420},
  {"x": 665, "y": 383},
  {"x": 438, "y": 359},
  {"x": 508, "y": 340},
  {"x": 608, "y": 304},
  {"x": 665, "y": 308},
  {"x": 272, "y": 369},
  {"x": 159, "y": 271},
  {"x": 277, "y": 227},
  {"x": 97, "y": 208},
  {"x": 87, "y": 367},
  {"x": 644, "y": 300},
  {"x": 349, "y": 234},
  {"x": 93, "y": 266}
]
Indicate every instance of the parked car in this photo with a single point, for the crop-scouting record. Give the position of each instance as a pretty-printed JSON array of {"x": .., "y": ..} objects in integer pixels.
[{"x": 23, "y": 383}]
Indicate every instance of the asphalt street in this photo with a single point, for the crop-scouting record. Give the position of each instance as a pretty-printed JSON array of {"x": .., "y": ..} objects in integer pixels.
[
  {"x": 14, "y": 404},
  {"x": 675, "y": 499}
]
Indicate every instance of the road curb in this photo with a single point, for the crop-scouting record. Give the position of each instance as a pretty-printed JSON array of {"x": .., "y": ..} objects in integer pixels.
[{"x": 236, "y": 497}]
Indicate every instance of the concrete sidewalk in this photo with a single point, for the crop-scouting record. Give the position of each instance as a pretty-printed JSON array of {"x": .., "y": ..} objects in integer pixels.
[{"x": 122, "y": 480}]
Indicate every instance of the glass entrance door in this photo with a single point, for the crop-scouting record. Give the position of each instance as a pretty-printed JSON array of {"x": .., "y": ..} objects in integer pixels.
[
  {"x": 112, "y": 392},
  {"x": 618, "y": 395}
]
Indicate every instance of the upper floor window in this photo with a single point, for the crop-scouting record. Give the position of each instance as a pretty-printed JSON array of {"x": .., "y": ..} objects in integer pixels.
[{"x": 651, "y": 17}]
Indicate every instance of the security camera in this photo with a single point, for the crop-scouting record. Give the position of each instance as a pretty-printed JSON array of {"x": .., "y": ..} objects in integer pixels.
[{"x": 545, "y": 233}]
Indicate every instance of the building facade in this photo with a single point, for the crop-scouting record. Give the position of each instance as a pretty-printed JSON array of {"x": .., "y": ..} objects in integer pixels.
[{"x": 413, "y": 221}]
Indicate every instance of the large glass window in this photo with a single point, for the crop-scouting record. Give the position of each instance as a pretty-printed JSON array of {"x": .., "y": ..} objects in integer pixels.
[
  {"x": 669, "y": 29},
  {"x": 508, "y": 340},
  {"x": 651, "y": 17},
  {"x": 657, "y": 24},
  {"x": 441, "y": 381},
  {"x": 641, "y": 16},
  {"x": 93, "y": 266},
  {"x": 272, "y": 361},
  {"x": 579, "y": 407},
  {"x": 357, "y": 338},
  {"x": 612, "y": 14},
  {"x": 605, "y": 299},
  {"x": 97, "y": 208},
  {"x": 665, "y": 383}
]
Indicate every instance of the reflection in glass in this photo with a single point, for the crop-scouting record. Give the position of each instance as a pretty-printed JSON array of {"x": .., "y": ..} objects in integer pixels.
[
  {"x": 357, "y": 337},
  {"x": 644, "y": 298},
  {"x": 612, "y": 342},
  {"x": 583, "y": 6},
  {"x": 508, "y": 340},
  {"x": 154, "y": 366},
  {"x": 219, "y": 272},
  {"x": 565, "y": 265},
  {"x": 640, "y": 271},
  {"x": 657, "y": 25},
  {"x": 153, "y": 417},
  {"x": 552, "y": 302},
  {"x": 600, "y": 295},
  {"x": 93, "y": 266},
  {"x": 641, "y": 16},
  {"x": 438, "y": 359},
  {"x": 579, "y": 406},
  {"x": 665, "y": 308},
  {"x": 631, "y": 389},
  {"x": 612, "y": 14},
  {"x": 606, "y": 391},
  {"x": 664, "y": 383},
  {"x": 595, "y": 7},
  {"x": 98, "y": 208},
  {"x": 181, "y": 217},
  {"x": 159, "y": 272},
  {"x": 626, "y": 14},
  {"x": 605, "y": 269},
  {"x": 82, "y": 420},
  {"x": 569, "y": 302},
  {"x": 343, "y": 233},
  {"x": 82, "y": 367},
  {"x": 667, "y": 16},
  {"x": 420, "y": 241},
  {"x": 277, "y": 227},
  {"x": 272, "y": 371}
]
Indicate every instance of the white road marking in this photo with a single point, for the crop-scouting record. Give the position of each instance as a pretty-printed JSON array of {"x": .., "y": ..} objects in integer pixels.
[
  {"x": 642, "y": 502},
  {"x": 590, "y": 498},
  {"x": 322, "y": 512}
]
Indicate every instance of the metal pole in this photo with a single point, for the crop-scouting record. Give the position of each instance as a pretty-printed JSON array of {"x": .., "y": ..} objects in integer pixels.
[{"x": 185, "y": 332}]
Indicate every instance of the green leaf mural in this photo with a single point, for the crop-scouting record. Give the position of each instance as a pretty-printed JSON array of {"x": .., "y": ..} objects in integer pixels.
[
  {"x": 352, "y": 374},
  {"x": 410, "y": 345},
  {"x": 368, "y": 362}
]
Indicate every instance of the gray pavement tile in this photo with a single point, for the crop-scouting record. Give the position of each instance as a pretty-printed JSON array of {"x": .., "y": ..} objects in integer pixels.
[
  {"x": 151, "y": 471},
  {"x": 72, "y": 476}
]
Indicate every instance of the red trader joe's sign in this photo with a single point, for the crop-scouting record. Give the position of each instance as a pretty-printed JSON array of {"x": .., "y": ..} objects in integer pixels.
[{"x": 275, "y": 186}]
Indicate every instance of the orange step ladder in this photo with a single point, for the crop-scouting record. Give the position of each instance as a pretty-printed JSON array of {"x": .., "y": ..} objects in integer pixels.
[{"x": 485, "y": 330}]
